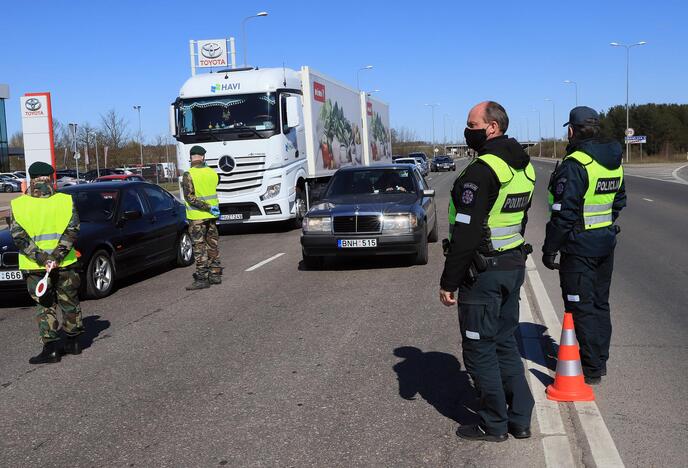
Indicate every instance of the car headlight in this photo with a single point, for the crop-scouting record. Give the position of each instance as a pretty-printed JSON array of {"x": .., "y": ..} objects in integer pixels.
[
  {"x": 317, "y": 224},
  {"x": 399, "y": 223},
  {"x": 272, "y": 191}
]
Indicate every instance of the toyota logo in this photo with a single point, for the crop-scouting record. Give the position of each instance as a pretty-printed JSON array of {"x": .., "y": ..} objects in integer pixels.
[
  {"x": 32, "y": 104},
  {"x": 211, "y": 50},
  {"x": 226, "y": 164}
]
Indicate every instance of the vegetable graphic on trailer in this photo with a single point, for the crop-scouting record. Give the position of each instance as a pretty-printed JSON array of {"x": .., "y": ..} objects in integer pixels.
[
  {"x": 377, "y": 138},
  {"x": 337, "y": 115},
  {"x": 37, "y": 127}
]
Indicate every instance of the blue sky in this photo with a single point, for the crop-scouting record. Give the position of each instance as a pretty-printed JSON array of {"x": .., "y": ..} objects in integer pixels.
[{"x": 96, "y": 55}]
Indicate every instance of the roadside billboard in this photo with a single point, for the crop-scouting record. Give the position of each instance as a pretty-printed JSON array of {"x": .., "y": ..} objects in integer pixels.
[
  {"x": 333, "y": 113},
  {"x": 37, "y": 127}
]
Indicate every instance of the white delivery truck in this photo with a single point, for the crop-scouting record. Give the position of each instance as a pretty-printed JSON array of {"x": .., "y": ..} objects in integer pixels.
[{"x": 275, "y": 135}]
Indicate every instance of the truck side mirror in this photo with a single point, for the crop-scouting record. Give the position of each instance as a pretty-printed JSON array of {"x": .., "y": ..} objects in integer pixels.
[
  {"x": 293, "y": 111},
  {"x": 173, "y": 120}
]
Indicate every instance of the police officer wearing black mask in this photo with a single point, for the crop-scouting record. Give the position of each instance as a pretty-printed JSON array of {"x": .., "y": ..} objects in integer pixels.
[
  {"x": 587, "y": 192},
  {"x": 486, "y": 263}
]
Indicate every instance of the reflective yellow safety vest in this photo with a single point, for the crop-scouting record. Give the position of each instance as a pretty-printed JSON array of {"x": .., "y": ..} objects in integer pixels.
[
  {"x": 205, "y": 182},
  {"x": 44, "y": 220},
  {"x": 603, "y": 184},
  {"x": 506, "y": 216}
]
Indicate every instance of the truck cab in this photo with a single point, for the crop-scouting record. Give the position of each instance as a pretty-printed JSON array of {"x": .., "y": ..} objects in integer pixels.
[{"x": 250, "y": 122}]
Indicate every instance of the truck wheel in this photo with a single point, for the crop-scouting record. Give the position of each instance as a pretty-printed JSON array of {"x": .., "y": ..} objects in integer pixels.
[
  {"x": 312, "y": 262},
  {"x": 434, "y": 234},
  {"x": 422, "y": 255},
  {"x": 299, "y": 208}
]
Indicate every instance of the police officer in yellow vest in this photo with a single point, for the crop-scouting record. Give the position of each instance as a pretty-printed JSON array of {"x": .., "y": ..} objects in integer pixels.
[
  {"x": 44, "y": 228},
  {"x": 489, "y": 202},
  {"x": 587, "y": 193},
  {"x": 199, "y": 185}
]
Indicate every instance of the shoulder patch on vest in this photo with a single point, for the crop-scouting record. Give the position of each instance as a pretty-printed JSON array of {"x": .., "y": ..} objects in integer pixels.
[
  {"x": 468, "y": 194},
  {"x": 560, "y": 186}
]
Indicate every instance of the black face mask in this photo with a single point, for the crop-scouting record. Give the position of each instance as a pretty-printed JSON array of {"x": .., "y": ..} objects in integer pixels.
[{"x": 475, "y": 137}]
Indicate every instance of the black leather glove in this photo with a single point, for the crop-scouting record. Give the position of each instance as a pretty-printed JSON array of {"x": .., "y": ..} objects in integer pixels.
[{"x": 548, "y": 259}]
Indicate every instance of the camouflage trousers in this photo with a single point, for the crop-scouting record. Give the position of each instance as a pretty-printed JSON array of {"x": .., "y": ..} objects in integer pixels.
[
  {"x": 205, "y": 238},
  {"x": 63, "y": 292}
]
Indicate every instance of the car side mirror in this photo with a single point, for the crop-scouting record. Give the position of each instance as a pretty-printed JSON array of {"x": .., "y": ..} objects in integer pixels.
[
  {"x": 132, "y": 215},
  {"x": 428, "y": 193}
]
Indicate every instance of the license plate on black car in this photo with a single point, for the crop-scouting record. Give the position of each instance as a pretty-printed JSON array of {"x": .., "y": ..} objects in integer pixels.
[
  {"x": 356, "y": 243},
  {"x": 14, "y": 275}
]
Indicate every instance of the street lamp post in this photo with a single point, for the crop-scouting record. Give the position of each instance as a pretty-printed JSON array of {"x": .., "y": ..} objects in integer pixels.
[
  {"x": 243, "y": 31},
  {"x": 539, "y": 131},
  {"x": 138, "y": 109},
  {"x": 576, "y": 85},
  {"x": 372, "y": 91},
  {"x": 628, "y": 57},
  {"x": 433, "y": 125},
  {"x": 527, "y": 133},
  {"x": 72, "y": 129},
  {"x": 358, "y": 72},
  {"x": 554, "y": 126}
]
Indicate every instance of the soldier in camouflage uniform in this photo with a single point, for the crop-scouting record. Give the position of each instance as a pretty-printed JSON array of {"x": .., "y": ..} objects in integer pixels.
[
  {"x": 64, "y": 282},
  {"x": 202, "y": 212}
]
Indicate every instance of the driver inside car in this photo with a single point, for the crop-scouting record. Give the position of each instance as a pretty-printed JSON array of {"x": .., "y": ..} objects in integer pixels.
[{"x": 390, "y": 182}]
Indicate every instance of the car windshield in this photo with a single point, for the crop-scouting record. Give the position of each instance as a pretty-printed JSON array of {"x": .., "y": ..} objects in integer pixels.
[
  {"x": 203, "y": 119},
  {"x": 406, "y": 161},
  {"x": 96, "y": 205},
  {"x": 442, "y": 159},
  {"x": 371, "y": 182},
  {"x": 417, "y": 155}
]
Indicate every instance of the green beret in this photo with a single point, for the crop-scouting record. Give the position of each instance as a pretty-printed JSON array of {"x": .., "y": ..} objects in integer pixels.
[
  {"x": 40, "y": 169},
  {"x": 197, "y": 150}
]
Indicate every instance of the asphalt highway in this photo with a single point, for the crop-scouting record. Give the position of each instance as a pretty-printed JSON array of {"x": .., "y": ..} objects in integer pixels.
[{"x": 354, "y": 365}]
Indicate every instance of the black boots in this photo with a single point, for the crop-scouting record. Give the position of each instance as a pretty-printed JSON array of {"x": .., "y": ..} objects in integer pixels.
[
  {"x": 200, "y": 282},
  {"x": 215, "y": 279},
  {"x": 49, "y": 355},
  {"x": 71, "y": 345}
]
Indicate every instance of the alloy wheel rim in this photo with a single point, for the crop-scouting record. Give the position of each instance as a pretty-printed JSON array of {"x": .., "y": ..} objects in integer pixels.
[
  {"x": 186, "y": 247},
  {"x": 102, "y": 274}
]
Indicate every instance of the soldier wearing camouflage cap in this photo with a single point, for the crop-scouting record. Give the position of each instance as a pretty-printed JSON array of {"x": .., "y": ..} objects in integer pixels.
[
  {"x": 44, "y": 227},
  {"x": 199, "y": 185}
]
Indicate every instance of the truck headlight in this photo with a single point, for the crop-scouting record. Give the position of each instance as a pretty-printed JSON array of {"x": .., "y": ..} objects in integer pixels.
[
  {"x": 399, "y": 223},
  {"x": 272, "y": 191},
  {"x": 317, "y": 224}
]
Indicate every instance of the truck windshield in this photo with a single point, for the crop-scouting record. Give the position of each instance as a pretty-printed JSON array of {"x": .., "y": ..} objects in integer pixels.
[{"x": 238, "y": 116}]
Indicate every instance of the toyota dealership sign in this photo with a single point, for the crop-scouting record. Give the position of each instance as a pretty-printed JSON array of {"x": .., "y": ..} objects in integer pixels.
[
  {"x": 37, "y": 126},
  {"x": 212, "y": 53}
]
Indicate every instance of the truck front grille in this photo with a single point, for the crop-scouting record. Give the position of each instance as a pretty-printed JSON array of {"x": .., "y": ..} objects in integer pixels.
[
  {"x": 356, "y": 224},
  {"x": 246, "y": 176}
]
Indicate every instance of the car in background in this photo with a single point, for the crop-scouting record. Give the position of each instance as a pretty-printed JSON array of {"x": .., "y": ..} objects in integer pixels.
[
  {"x": 65, "y": 181},
  {"x": 93, "y": 174},
  {"x": 11, "y": 175},
  {"x": 416, "y": 162},
  {"x": 423, "y": 158},
  {"x": 126, "y": 227},
  {"x": 442, "y": 163},
  {"x": 378, "y": 210},
  {"x": 8, "y": 183},
  {"x": 120, "y": 178}
]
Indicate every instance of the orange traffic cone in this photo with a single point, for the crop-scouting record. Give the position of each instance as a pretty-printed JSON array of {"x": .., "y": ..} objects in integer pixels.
[{"x": 569, "y": 383}]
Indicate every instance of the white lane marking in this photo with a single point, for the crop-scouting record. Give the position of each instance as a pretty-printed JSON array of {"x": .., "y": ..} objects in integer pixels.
[
  {"x": 675, "y": 175},
  {"x": 648, "y": 199},
  {"x": 266, "y": 261},
  {"x": 602, "y": 446},
  {"x": 555, "y": 442},
  {"x": 681, "y": 181}
]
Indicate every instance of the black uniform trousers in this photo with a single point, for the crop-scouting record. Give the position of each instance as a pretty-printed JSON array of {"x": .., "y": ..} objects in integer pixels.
[
  {"x": 585, "y": 283},
  {"x": 488, "y": 318}
]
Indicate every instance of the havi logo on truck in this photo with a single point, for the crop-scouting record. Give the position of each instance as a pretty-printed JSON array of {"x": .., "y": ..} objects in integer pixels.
[
  {"x": 318, "y": 91},
  {"x": 217, "y": 87}
]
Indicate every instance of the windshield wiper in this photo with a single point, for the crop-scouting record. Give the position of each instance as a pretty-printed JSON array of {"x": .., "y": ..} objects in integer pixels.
[{"x": 250, "y": 129}]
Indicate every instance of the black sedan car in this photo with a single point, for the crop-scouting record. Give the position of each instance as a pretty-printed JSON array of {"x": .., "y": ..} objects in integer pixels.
[
  {"x": 126, "y": 227},
  {"x": 377, "y": 210},
  {"x": 442, "y": 163}
]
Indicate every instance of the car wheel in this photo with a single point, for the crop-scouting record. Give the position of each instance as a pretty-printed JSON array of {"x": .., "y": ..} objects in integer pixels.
[
  {"x": 100, "y": 275},
  {"x": 184, "y": 250},
  {"x": 434, "y": 234},
  {"x": 7, "y": 188},
  {"x": 422, "y": 254},
  {"x": 312, "y": 262},
  {"x": 299, "y": 209}
]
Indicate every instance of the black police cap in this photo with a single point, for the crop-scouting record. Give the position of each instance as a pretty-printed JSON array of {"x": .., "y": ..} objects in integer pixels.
[{"x": 583, "y": 115}]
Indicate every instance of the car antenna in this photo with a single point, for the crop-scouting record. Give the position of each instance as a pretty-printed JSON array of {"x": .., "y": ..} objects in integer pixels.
[{"x": 284, "y": 75}]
